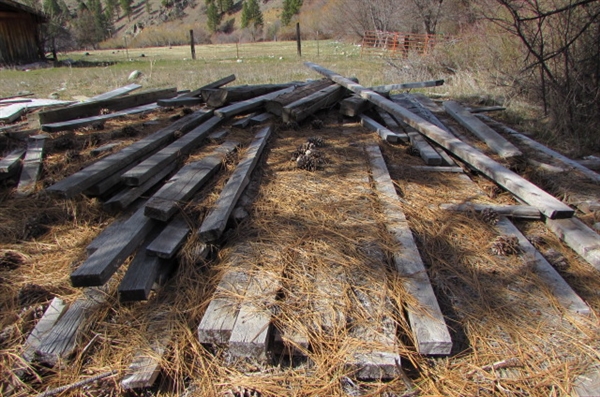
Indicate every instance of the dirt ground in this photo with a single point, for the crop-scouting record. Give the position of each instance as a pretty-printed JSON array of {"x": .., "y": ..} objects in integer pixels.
[{"x": 321, "y": 234}]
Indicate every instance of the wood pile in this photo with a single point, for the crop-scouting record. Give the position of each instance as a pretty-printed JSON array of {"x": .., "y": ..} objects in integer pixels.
[{"x": 208, "y": 164}]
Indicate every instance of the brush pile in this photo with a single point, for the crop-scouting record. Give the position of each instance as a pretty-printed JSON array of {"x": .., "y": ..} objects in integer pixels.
[{"x": 182, "y": 249}]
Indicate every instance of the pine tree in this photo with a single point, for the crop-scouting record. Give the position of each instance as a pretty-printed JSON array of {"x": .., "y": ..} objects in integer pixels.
[
  {"x": 227, "y": 5},
  {"x": 111, "y": 8},
  {"x": 290, "y": 8},
  {"x": 213, "y": 17},
  {"x": 126, "y": 7},
  {"x": 251, "y": 14}
]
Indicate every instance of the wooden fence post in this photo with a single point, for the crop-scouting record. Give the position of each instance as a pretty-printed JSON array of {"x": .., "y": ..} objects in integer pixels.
[
  {"x": 298, "y": 41},
  {"x": 192, "y": 44}
]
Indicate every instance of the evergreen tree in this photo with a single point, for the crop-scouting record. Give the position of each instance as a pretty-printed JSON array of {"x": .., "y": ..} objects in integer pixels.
[
  {"x": 251, "y": 14},
  {"x": 290, "y": 8},
  {"x": 111, "y": 8},
  {"x": 126, "y": 7},
  {"x": 213, "y": 17},
  {"x": 227, "y": 5}
]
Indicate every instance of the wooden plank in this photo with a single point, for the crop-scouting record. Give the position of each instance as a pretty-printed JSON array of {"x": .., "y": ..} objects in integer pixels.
[
  {"x": 561, "y": 291},
  {"x": 244, "y": 121},
  {"x": 171, "y": 239},
  {"x": 181, "y": 187},
  {"x": 437, "y": 168},
  {"x": 425, "y": 317},
  {"x": 215, "y": 222},
  {"x": 105, "y": 261},
  {"x": 78, "y": 123},
  {"x": 180, "y": 101},
  {"x": 93, "y": 108},
  {"x": 42, "y": 328},
  {"x": 520, "y": 187},
  {"x": 181, "y": 147},
  {"x": 220, "y": 315},
  {"x": 129, "y": 194},
  {"x": 384, "y": 133},
  {"x": 513, "y": 211},
  {"x": 579, "y": 237},
  {"x": 117, "y": 92},
  {"x": 32, "y": 164},
  {"x": 104, "y": 236},
  {"x": 104, "y": 148},
  {"x": 427, "y": 153},
  {"x": 544, "y": 149},
  {"x": 250, "y": 104},
  {"x": 251, "y": 332},
  {"x": 214, "y": 84},
  {"x": 354, "y": 106},
  {"x": 260, "y": 118},
  {"x": 302, "y": 108},
  {"x": 140, "y": 276},
  {"x": 221, "y": 96},
  {"x": 12, "y": 112},
  {"x": 275, "y": 106},
  {"x": 588, "y": 385},
  {"x": 192, "y": 97},
  {"x": 61, "y": 341},
  {"x": 497, "y": 143},
  {"x": 105, "y": 167},
  {"x": 407, "y": 86},
  {"x": 12, "y": 161},
  {"x": 145, "y": 366}
]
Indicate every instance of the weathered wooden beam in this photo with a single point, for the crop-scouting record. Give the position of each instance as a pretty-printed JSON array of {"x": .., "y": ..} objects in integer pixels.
[
  {"x": 78, "y": 123},
  {"x": 181, "y": 147},
  {"x": 215, "y": 222},
  {"x": 302, "y": 108},
  {"x": 244, "y": 121},
  {"x": 215, "y": 84},
  {"x": 171, "y": 239},
  {"x": 117, "y": 92},
  {"x": 32, "y": 164},
  {"x": 93, "y": 108},
  {"x": 260, "y": 118},
  {"x": 192, "y": 97},
  {"x": 520, "y": 187},
  {"x": 251, "y": 332},
  {"x": 544, "y": 149},
  {"x": 407, "y": 86},
  {"x": 384, "y": 133},
  {"x": 496, "y": 142},
  {"x": 61, "y": 341},
  {"x": 275, "y": 106},
  {"x": 513, "y": 211},
  {"x": 10, "y": 164},
  {"x": 145, "y": 367},
  {"x": 561, "y": 291},
  {"x": 12, "y": 112},
  {"x": 55, "y": 309},
  {"x": 436, "y": 168},
  {"x": 104, "y": 236},
  {"x": 109, "y": 165},
  {"x": 219, "y": 97},
  {"x": 129, "y": 194},
  {"x": 104, "y": 148},
  {"x": 579, "y": 237},
  {"x": 353, "y": 106},
  {"x": 105, "y": 261},
  {"x": 588, "y": 384},
  {"x": 429, "y": 155},
  {"x": 250, "y": 104},
  {"x": 425, "y": 317},
  {"x": 182, "y": 186}
]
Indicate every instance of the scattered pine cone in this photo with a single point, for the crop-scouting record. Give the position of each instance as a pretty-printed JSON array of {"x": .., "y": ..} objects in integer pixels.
[
  {"x": 317, "y": 124},
  {"x": 317, "y": 141},
  {"x": 489, "y": 216},
  {"x": 240, "y": 391},
  {"x": 105, "y": 111},
  {"x": 492, "y": 190},
  {"x": 505, "y": 246},
  {"x": 413, "y": 151},
  {"x": 291, "y": 125},
  {"x": 11, "y": 260},
  {"x": 556, "y": 259},
  {"x": 186, "y": 111},
  {"x": 537, "y": 241}
]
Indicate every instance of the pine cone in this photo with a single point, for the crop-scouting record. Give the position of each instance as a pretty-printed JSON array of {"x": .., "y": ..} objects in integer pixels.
[
  {"x": 316, "y": 124},
  {"x": 505, "y": 246},
  {"x": 240, "y": 391},
  {"x": 557, "y": 259},
  {"x": 291, "y": 125},
  {"x": 489, "y": 216},
  {"x": 413, "y": 151}
]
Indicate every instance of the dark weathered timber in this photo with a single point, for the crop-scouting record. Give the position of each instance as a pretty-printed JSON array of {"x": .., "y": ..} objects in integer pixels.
[
  {"x": 215, "y": 222},
  {"x": 140, "y": 276},
  {"x": 61, "y": 341},
  {"x": 104, "y": 236},
  {"x": 180, "y": 148},
  {"x": 424, "y": 315},
  {"x": 129, "y": 194},
  {"x": 435, "y": 168},
  {"x": 193, "y": 98},
  {"x": 171, "y": 239},
  {"x": 520, "y": 187},
  {"x": 513, "y": 211},
  {"x": 429, "y": 155},
  {"x": 105, "y": 261},
  {"x": 222, "y": 96},
  {"x": 276, "y": 105},
  {"x": 181, "y": 187},
  {"x": 406, "y": 86},
  {"x": 32, "y": 164},
  {"x": 10, "y": 164},
  {"x": 105, "y": 167},
  {"x": 244, "y": 121},
  {"x": 213, "y": 85},
  {"x": 55, "y": 309},
  {"x": 302, "y": 108},
  {"x": 260, "y": 118},
  {"x": 93, "y": 108},
  {"x": 384, "y": 133},
  {"x": 117, "y": 92},
  {"x": 78, "y": 123},
  {"x": 250, "y": 104},
  {"x": 104, "y": 148},
  {"x": 496, "y": 142},
  {"x": 579, "y": 237},
  {"x": 354, "y": 106}
]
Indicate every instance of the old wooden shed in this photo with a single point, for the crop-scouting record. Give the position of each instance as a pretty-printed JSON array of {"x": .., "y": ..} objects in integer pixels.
[{"x": 19, "y": 33}]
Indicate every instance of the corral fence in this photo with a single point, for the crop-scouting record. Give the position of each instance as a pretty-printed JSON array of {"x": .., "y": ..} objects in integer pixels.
[{"x": 399, "y": 44}]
